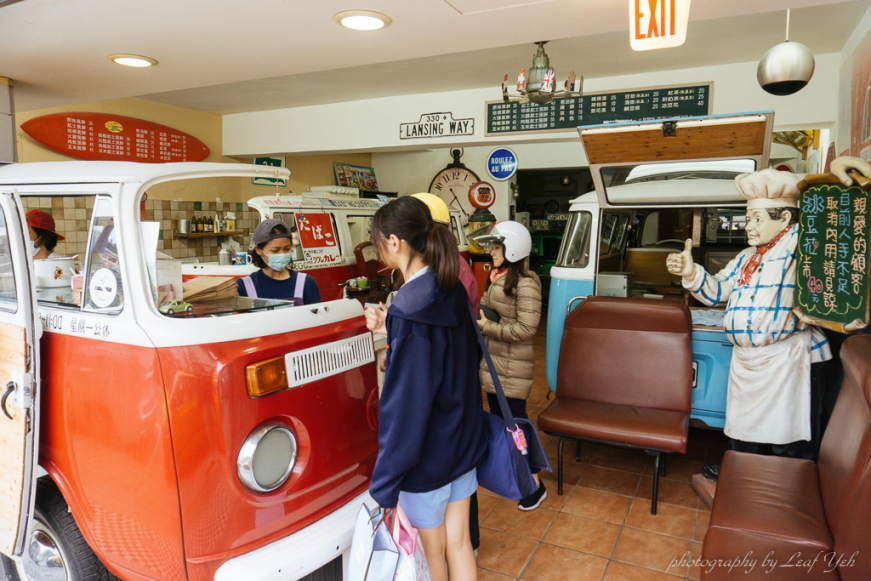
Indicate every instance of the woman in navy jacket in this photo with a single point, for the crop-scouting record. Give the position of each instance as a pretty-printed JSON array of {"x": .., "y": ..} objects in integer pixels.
[{"x": 431, "y": 431}]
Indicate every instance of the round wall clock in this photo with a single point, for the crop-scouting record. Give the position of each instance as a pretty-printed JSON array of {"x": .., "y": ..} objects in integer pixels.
[{"x": 452, "y": 185}]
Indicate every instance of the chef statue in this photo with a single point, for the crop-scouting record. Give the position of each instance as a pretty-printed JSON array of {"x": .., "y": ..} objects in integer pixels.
[{"x": 769, "y": 407}]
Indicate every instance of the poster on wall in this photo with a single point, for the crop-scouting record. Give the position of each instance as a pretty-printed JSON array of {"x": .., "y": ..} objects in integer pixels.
[
  {"x": 106, "y": 137},
  {"x": 318, "y": 239},
  {"x": 356, "y": 176}
]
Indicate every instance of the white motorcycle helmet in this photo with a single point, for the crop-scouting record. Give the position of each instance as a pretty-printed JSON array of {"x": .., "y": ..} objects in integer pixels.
[{"x": 512, "y": 236}]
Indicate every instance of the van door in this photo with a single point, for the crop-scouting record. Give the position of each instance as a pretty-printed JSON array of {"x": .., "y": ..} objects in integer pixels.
[
  {"x": 19, "y": 379},
  {"x": 676, "y": 162}
]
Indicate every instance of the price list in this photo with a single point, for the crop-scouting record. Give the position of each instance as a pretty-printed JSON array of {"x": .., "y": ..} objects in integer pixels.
[
  {"x": 832, "y": 275},
  {"x": 565, "y": 114},
  {"x": 113, "y": 141}
]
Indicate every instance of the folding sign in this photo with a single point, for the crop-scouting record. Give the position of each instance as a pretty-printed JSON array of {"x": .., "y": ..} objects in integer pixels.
[{"x": 658, "y": 23}]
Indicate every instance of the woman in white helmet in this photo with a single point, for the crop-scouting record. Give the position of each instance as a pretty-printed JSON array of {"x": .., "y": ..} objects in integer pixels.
[{"x": 514, "y": 293}]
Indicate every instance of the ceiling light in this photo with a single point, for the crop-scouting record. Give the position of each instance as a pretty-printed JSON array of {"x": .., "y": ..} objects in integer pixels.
[
  {"x": 362, "y": 19},
  {"x": 132, "y": 60}
]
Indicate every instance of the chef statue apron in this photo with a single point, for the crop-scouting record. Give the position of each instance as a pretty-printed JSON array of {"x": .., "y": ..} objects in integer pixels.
[{"x": 769, "y": 392}]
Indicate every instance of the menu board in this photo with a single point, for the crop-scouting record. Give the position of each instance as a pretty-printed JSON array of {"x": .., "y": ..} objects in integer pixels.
[
  {"x": 566, "y": 114},
  {"x": 102, "y": 136},
  {"x": 831, "y": 284}
]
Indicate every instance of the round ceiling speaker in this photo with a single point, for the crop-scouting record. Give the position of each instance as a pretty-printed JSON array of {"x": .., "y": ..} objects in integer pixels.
[{"x": 786, "y": 68}]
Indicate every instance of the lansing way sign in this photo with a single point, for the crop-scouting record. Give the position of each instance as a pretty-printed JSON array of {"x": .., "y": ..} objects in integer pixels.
[{"x": 437, "y": 125}]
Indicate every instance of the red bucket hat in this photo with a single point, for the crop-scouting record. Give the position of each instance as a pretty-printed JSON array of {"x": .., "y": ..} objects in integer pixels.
[{"x": 42, "y": 220}]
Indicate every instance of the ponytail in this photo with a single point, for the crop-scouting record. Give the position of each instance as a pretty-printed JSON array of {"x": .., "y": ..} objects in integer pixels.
[
  {"x": 409, "y": 219},
  {"x": 442, "y": 256}
]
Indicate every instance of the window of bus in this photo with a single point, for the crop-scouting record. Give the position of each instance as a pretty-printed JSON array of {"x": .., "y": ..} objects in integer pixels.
[
  {"x": 575, "y": 250},
  {"x": 608, "y": 234},
  {"x": 360, "y": 227}
]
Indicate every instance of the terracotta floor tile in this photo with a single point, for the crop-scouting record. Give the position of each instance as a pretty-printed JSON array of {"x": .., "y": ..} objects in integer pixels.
[
  {"x": 677, "y": 469},
  {"x": 623, "y": 572},
  {"x": 695, "y": 570},
  {"x": 617, "y": 459},
  {"x": 486, "y": 504},
  {"x": 703, "y": 507},
  {"x": 651, "y": 550},
  {"x": 598, "y": 505},
  {"x": 509, "y": 519},
  {"x": 702, "y": 521},
  {"x": 583, "y": 534},
  {"x": 485, "y": 575},
  {"x": 668, "y": 520},
  {"x": 670, "y": 492},
  {"x": 483, "y": 491},
  {"x": 554, "y": 501},
  {"x": 504, "y": 553},
  {"x": 572, "y": 470},
  {"x": 557, "y": 564},
  {"x": 615, "y": 481}
]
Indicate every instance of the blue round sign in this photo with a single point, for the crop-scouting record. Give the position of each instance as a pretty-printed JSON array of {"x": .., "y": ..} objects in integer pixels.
[{"x": 502, "y": 164}]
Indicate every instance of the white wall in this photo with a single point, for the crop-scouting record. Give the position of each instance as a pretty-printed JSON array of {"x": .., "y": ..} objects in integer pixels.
[{"x": 373, "y": 125}]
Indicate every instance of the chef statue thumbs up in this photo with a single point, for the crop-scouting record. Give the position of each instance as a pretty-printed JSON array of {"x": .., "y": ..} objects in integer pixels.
[{"x": 681, "y": 263}]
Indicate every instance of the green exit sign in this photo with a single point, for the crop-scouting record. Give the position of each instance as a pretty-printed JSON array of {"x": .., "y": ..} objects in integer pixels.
[{"x": 273, "y": 162}]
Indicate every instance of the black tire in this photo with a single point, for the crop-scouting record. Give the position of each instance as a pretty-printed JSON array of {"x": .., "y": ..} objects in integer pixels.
[
  {"x": 190, "y": 309},
  {"x": 54, "y": 518},
  {"x": 170, "y": 312}
]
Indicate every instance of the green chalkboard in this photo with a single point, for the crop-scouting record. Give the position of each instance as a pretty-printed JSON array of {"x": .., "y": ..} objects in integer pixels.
[
  {"x": 565, "y": 114},
  {"x": 831, "y": 270}
]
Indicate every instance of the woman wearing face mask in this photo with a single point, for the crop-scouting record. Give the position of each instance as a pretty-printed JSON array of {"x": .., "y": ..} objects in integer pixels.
[
  {"x": 274, "y": 280},
  {"x": 515, "y": 294},
  {"x": 43, "y": 238}
]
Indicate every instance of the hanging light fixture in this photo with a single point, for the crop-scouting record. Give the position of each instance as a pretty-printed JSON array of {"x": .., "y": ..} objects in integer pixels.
[
  {"x": 786, "y": 68},
  {"x": 539, "y": 85}
]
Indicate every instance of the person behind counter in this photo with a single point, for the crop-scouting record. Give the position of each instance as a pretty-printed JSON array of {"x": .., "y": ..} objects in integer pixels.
[
  {"x": 43, "y": 238},
  {"x": 274, "y": 280}
]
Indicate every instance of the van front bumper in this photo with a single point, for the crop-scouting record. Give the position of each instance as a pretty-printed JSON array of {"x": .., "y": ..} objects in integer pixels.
[{"x": 301, "y": 553}]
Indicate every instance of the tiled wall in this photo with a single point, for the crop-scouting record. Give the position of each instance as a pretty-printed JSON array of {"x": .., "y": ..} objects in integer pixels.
[
  {"x": 169, "y": 213},
  {"x": 72, "y": 219}
]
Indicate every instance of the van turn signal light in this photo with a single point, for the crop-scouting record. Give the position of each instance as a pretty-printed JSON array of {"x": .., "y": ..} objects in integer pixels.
[{"x": 265, "y": 377}]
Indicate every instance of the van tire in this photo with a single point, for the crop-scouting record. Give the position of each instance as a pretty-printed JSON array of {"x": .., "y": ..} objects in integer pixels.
[{"x": 56, "y": 520}]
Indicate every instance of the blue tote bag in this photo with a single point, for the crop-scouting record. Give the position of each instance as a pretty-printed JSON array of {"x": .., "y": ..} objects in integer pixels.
[{"x": 506, "y": 471}]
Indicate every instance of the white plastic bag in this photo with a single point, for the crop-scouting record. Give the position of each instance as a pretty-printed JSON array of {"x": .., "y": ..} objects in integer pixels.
[{"x": 374, "y": 555}]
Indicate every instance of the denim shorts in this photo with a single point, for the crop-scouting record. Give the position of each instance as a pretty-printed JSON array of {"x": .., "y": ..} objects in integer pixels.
[{"x": 426, "y": 510}]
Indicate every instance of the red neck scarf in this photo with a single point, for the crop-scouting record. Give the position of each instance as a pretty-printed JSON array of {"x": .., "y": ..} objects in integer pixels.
[
  {"x": 498, "y": 273},
  {"x": 756, "y": 259}
]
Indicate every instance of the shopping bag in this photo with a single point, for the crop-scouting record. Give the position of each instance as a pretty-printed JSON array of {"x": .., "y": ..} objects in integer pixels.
[
  {"x": 374, "y": 555},
  {"x": 412, "y": 564},
  {"x": 513, "y": 443}
]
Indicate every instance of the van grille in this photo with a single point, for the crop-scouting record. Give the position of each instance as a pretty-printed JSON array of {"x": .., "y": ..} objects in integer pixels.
[
  {"x": 332, "y": 571},
  {"x": 330, "y": 359}
]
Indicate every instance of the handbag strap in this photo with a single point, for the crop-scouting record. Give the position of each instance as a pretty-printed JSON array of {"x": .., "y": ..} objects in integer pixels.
[{"x": 500, "y": 394}]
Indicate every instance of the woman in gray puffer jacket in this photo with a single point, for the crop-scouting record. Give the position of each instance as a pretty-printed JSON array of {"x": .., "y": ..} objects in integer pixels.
[{"x": 515, "y": 294}]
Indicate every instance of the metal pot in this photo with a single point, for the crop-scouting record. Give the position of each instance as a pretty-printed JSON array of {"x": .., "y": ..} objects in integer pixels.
[{"x": 54, "y": 272}]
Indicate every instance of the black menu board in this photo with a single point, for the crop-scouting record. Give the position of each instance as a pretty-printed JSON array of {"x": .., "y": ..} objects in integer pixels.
[
  {"x": 831, "y": 283},
  {"x": 567, "y": 114}
]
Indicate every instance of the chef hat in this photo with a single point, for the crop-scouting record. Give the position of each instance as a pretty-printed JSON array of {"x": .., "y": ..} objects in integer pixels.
[{"x": 769, "y": 188}]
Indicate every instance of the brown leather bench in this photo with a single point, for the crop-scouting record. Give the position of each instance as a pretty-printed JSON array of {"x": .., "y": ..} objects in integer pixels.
[
  {"x": 624, "y": 377},
  {"x": 785, "y": 512}
]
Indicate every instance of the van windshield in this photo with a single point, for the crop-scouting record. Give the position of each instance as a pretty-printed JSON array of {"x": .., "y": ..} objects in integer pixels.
[
  {"x": 699, "y": 183},
  {"x": 575, "y": 251}
]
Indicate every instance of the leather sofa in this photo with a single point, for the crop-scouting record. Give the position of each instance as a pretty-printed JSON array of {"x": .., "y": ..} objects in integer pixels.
[{"x": 782, "y": 518}]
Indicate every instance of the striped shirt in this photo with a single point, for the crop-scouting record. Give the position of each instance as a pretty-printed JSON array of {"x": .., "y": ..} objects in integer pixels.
[{"x": 759, "y": 313}]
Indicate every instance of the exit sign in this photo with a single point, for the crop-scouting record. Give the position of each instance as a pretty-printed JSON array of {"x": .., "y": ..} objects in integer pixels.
[{"x": 658, "y": 23}]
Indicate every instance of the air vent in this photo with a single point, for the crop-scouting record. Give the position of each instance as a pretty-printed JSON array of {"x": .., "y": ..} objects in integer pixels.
[{"x": 330, "y": 359}]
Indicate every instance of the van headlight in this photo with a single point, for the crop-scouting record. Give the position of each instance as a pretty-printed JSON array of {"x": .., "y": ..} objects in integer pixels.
[{"x": 267, "y": 457}]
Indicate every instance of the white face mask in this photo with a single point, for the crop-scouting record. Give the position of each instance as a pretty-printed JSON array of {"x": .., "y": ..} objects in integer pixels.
[{"x": 34, "y": 249}]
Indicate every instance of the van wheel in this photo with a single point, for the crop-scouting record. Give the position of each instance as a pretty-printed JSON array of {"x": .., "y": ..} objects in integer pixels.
[{"x": 56, "y": 548}]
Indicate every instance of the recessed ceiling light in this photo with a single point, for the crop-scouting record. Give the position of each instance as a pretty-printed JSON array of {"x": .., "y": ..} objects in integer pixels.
[
  {"x": 362, "y": 19},
  {"x": 132, "y": 60}
]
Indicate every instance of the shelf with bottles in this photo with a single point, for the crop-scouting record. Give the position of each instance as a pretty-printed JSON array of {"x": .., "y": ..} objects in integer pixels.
[{"x": 208, "y": 234}]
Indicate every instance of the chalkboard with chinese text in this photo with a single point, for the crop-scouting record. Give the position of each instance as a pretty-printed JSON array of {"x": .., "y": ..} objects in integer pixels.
[
  {"x": 564, "y": 114},
  {"x": 832, "y": 254}
]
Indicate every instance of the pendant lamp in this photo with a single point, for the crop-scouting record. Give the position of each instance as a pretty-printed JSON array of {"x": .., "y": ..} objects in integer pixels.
[{"x": 786, "y": 68}]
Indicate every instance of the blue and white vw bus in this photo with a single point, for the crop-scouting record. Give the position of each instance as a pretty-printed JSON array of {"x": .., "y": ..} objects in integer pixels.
[{"x": 657, "y": 184}]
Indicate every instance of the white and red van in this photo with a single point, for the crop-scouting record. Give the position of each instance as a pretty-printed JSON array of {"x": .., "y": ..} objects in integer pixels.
[
  {"x": 345, "y": 217},
  {"x": 234, "y": 442}
]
